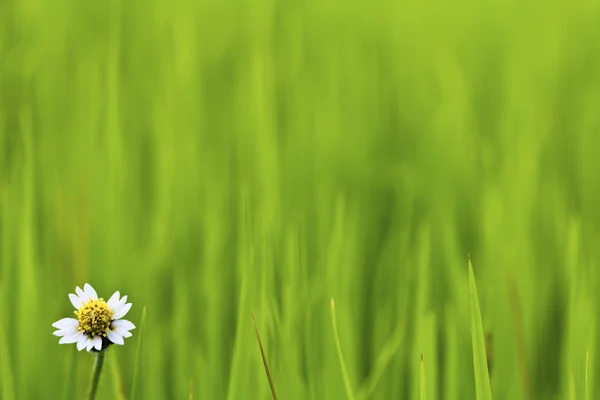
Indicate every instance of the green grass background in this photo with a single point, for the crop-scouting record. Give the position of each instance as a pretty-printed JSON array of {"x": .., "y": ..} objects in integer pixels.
[{"x": 210, "y": 159}]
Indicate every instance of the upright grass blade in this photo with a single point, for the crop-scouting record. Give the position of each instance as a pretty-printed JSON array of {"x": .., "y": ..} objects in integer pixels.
[
  {"x": 118, "y": 393},
  {"x": 264, "y": 358},
  {"x": 69, "y": 377},
  {"x": 517, "y": 314},
  {"x": 8, "y": 389},
  {"x": 345, "y": 375},
  {"x": 422, "y": 379},
  {"x": 483, "y": 389},
  {"x": 587, "y": 357},
  {"x": 136, "y": 383},
  {"x": 191, "y": 391},
  {"x": 572, "y": 391},
  {"x": 387, "y": 353}
]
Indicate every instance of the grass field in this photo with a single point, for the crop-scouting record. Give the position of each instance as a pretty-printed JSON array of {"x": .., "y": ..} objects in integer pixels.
[{"x": 217, "y": 159}]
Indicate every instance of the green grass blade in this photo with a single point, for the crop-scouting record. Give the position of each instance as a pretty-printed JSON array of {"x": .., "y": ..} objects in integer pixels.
[
  {"x": 117, "y": 382},
  {"x": 8, "y": 389},
  {"x": 345, "y": 375},
  {"x": 517, "y": 314},
  {"x": 381, "y": 364},
  {"x": 68, "y": 392},
  {"x": 482, "y": 379},
  {"x": 264, "y": 358},
  {"x": 572, "y": 391},
  {"x": 587, "y": 358},
  {"x": 422, "y": 379},
  {"x": 138, "y": 352}
]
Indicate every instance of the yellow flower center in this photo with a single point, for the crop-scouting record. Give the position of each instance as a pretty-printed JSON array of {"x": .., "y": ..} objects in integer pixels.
[{"x": 94, "y": 317}]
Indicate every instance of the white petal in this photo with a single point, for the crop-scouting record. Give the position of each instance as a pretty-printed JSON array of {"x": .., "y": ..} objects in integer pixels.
[
  {"x": 114, "y": 300},
  {"x": 65, "y": 323},
  {"x": 98, "y": 343},
  {"x": 123, "y": 300},
  {"x": 90, "y": 344},
  {"x": 117, "y": 307},
  {"x": 81, "y": 343},
  {"x": 87, "y": 288},
  {"x": 66, "y": 332},
  {"x": 75, "y": 300},
  {"x": 87, "y": 343},
  {"x": 122, "y": 311},
  {"x": 123, "y": 332},
  {"x": 123, "y": 324},
  {"x": 115, "y": 338},
  {"x": 71, "y": 338},
  {"x": 85, "y": 297}
]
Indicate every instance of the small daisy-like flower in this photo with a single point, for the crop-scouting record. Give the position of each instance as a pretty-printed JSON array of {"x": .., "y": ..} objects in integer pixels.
[{"x": 98, "y": 323}]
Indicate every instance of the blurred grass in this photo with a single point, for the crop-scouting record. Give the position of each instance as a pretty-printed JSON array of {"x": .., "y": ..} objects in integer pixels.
[
  {"x": 483, "y": 389},
  {"x": 213, "y": 158},
  {"x": 139, "y": 361}
]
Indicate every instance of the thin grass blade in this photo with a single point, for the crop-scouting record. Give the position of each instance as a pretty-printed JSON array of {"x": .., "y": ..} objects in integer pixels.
[
  {"x": 8, "y": 389},
  {"x": 381, "y": 364},
  {"x": 68, "y": 392},
  {"x": 349, "y": 392},
  {"x": 422, "y": 379},
  {"x": 264, "y": 358},
  {"x": 118, "y": 392},
  {"x": 483, "y": 389},
  {"x": 138, "y": 354},
  {"x": 587, "y": 358}
]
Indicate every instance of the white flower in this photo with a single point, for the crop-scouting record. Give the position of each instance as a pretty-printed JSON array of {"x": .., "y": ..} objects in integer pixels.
[{"x": 98, "y": 323}]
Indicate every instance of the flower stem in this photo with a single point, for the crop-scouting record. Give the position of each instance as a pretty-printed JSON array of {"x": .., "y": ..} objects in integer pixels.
[{"x": 98, "y": 362}]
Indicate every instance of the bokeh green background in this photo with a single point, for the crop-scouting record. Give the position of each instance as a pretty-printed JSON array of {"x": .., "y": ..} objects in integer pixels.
[{"x": 212, "y": 159}]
